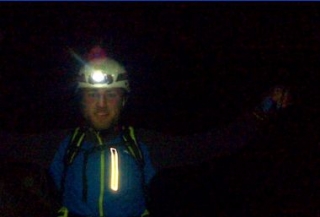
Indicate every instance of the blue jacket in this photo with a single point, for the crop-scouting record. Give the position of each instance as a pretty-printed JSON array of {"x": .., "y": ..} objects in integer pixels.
[{"x": 127, "y": 201}]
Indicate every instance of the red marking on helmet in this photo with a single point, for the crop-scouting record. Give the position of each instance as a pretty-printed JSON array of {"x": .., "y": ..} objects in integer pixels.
[{"x": 96, "y": 53}]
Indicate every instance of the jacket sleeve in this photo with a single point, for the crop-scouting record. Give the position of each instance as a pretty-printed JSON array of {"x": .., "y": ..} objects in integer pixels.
[
  {"x": 57, "y": 166},
  {"x": 170, "y": 151},
  {"x": 149, "y": 170}
]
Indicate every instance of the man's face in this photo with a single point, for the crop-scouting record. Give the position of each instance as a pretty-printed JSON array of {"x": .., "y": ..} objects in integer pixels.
[{"x": 102, "y": 107}]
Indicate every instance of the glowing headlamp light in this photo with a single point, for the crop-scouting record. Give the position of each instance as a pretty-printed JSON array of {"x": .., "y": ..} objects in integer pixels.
[{"x": 98, "y": 77}]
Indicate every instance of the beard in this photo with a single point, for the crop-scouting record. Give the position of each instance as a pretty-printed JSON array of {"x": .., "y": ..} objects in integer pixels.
[
  {"x": 102, "y": 123},
  {"x": 101, "y": 120}
]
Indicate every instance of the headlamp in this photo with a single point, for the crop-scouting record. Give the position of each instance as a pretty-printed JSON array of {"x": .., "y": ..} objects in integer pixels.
[
  {"x": 98, "y": 77},
  {"x": 103, "y": 73}
]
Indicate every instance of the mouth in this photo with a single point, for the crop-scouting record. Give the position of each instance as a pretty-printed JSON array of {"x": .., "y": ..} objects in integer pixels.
[{"x": 102, "y": 114}]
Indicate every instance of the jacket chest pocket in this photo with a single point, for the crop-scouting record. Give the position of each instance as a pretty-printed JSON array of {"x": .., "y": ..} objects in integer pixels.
[
  {"x": 115, "y": 168},
  {"x": 124, "y": 173}
]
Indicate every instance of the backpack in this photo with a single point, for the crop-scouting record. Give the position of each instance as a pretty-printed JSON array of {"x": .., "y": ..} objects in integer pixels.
[
  {"x": 79, "y": 134},
  {"x": 75, "y": 144}
]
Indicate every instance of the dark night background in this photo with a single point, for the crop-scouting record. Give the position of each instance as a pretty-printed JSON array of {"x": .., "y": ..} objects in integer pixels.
[{"x": 195, "y": 66}]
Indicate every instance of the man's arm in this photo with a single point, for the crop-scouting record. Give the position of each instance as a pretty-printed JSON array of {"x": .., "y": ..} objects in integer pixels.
[{"x": 170, "y": 151}]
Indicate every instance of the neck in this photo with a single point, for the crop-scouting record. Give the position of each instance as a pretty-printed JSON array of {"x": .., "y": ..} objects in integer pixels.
[
  {"x": 110, "y": 131},
  {"x": 106, "y": 133}
]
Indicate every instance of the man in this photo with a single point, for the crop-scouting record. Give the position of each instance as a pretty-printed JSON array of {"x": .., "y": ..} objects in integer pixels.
[
  {"x": 101, "y": 171},
  {"x": 90, "y": 186}
]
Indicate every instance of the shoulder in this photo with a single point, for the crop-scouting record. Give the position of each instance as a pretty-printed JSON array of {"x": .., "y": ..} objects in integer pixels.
[
  {"x": 65, "y": 138},
  {"x": 148, "y": 136}
]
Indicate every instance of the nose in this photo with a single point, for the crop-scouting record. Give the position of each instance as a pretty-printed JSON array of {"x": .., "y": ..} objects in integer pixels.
[{"x": 102, "y": 100}]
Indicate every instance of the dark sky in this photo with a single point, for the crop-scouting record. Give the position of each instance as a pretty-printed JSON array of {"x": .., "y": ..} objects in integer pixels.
[{"x": 193, "y": 65}]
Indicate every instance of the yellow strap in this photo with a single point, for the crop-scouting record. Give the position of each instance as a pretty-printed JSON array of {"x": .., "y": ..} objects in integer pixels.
[
  {"x": 75, "y": 133},
  {"x": 78, "y": 145},
  {"x": 63, "y": 212},
  {"x": 133, "y": 136},
  {"x": 102, "y": 176},
  {"x": 145, "y": 213}
]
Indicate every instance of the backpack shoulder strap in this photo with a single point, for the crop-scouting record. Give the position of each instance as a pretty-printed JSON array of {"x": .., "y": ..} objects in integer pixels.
[
  {"x": 135, "y": 150},
  {"x": 78, "y": 135},
  {"x": 74, "y": 145},
  {"x": 72, "y": 150},
  {"x": 132, "y": 144}
]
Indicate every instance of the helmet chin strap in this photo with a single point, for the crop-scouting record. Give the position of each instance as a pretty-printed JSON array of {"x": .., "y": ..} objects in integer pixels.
[{"x": 124, "y": 102}]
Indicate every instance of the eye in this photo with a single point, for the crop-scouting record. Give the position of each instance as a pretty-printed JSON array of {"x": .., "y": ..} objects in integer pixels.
[
  {"x": 93, "y": 94},
  {"x": 112, "y": 94}
]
